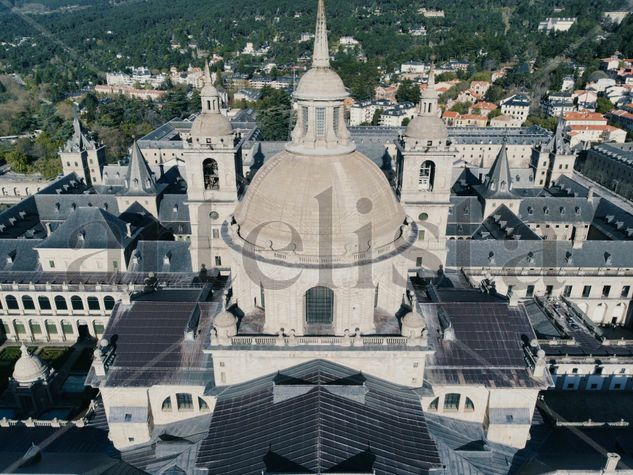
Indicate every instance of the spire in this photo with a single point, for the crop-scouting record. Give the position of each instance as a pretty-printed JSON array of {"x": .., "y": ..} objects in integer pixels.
[
  {"x": 321, "y": 55},
  {"x": 499, "y": 178},
  {"x": 207, "y": 73},
  {"x": 140, "y": 180},
  {"x": 76, "y": 125},
  {"x": 557, "y": 143}
]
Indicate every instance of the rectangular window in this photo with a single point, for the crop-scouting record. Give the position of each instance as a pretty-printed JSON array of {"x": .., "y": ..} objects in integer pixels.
[
  {"x": 530, "y": 291},
  {"x": 115, "y": 264},
  {"x": 184, "y": 401},
  {"x": 451, "y": 402},
  {"x": 215, "y": 233},
  {"x": 625, "y": 291},
  {"x": 510, "y": 288},
  {"x": 128, "y": 418},
  {"x": 418, "y": 262},
  {"x": 218, "y": 261},
  {"x": 421, "y": 235},
  {"x": 606, "y": 290},
  {"x": 586, "y": 291},
  {"x": 548, "y": 290},
  {"x": 305, "y": 120},
  {"x": 336, "y": 118},
  {"x": 320, "y": 121},
  {"x": 51, "y": 264},
  {"x": 567, "y": 291}
]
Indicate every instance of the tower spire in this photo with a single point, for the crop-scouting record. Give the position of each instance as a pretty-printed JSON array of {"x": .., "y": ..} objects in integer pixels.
[
  {"x": 321, "y": 55},
  {"x": 207, "y": 73}
]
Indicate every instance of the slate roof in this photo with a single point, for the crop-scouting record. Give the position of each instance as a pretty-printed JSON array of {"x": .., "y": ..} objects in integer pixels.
[
  {"x": 57, "y": 208},
  {"x": 504, "y": 224},
  {"x": 21, "y": 221},
  {"x": 488, "y": 347},
  {"x": 612, "y": 221},
  {"x": 464, "y": 449},
  {"x": 139, "y": 179},
  {"x": 149, "y": 344},
  {"x": 566, "y": 186},
  {"x": 535, "y": 254},
  {"x": 90, "y": 228},
  {"x": 550, "y": 209},
  {"x": 72, "y": 450},
  {"x": 466, "y": 214},
  {"x": 498, "y": 181},
  {"x": 318, "y": 417},
  {"x": 19, "y": 255},
  {"x": 161, "y": 256}
]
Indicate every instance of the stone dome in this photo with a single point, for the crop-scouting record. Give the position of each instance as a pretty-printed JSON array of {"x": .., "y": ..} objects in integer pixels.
[
  {"x": 427, "y": 127},
  {"x": 413, "y": 320},
  {"x": 317, "y": 205},
  {"x": 209, "y": 90},
  {"x": 321, "y": 84},
  {"x": 29, "y": 368},
  {"x": 211, "y": 125}
]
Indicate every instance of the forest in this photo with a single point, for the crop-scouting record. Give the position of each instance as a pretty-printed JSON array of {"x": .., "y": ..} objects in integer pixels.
[{"x": 60, "y": 47}]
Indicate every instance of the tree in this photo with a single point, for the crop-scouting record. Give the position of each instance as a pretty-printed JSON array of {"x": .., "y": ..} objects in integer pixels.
[
  {"x": 18, "y": 161},
  {"x": 408, "y": 92},
  {"x": 604, "y": 105},
  {"x": 375, "y": 120},
  {"x": 273, "y": 114},
  {"x": 461, "y": 107}
]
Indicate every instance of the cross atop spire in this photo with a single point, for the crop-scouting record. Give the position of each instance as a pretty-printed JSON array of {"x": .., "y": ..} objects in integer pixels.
[{"x": 321, "y": 55}]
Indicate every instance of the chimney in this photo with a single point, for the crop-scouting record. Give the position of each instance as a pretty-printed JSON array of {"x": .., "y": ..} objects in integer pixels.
[
  {"x": 590, "y": 193},
  {"x": 128, "y": 226},
  {"x": 49, "y": 231},
  {"x": 612, "y": 463}
]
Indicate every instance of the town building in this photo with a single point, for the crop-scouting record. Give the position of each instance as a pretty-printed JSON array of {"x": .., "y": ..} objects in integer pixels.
[
  {"x": 517, "y": 107},
  {"x": 556, "y": 25}
]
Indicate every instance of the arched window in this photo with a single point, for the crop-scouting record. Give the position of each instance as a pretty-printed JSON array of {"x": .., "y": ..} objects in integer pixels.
[
  {"x": 93, "y": 303},
  {"x": 320, "y": 305},
  {"x": 451, "y": 402},
  {"x": 27, "y": 302},
  {"x": 204, "y": 407},
  {"x": 184, "y": 402},
  {"x": 12, "y": 302},
  {"x": 434, "y": 404},
  {"x": 427, "y": 176},
  {"x": 60, "y": 303},
  {"x": 210, "y": 172},
  {"x": 76, "y": 302},
  {"x": 108, "y": 302},
  {"x": 468, "y": 405},
  {"x": 166, "y": 407},
  {"x": 44, "y": 302}
]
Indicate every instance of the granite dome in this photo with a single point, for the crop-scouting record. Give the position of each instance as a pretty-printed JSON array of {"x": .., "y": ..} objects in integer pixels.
[{"x": 319, "y": 206}]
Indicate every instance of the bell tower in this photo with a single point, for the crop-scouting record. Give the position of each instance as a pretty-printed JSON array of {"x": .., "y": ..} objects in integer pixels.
[
  {"x": 214, "y": 178},
  {"x": 424, "y": 169}
]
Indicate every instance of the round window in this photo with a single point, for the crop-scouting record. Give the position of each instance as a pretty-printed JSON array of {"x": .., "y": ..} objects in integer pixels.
[
  {"x": 423, "y": 216},
  {"x": 214, "y": 215}
]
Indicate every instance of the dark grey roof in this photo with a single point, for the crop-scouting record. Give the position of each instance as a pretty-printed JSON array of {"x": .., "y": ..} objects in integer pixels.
[
  {"x": 566, "y": 186},
  {"x": 498, "y": 181},
  {"x": 550, "y": 209},
  {"x": 612, "y": 221},
  {"x": 464, "y": 449},
  {"x": 174, "y": 208},
  {"x": 139, "y": 179},
  {"x": 19, "y": 255},
  {"x": 53, "y": 208},
  {"x": 63, "y": 450},
  {"x": 78, "y": 141},
  {"x": 535, "y": 254},
  {"x": 503, "y": 224},
  {"x": 318, "y": 427},
  {"x": 488, "y": 347},
  {"x": 150, "y": 347},
  {"x": 161, "y": 256},
  {"x": 21, "y": 221},
  {"x": 90, "y": 228}
]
